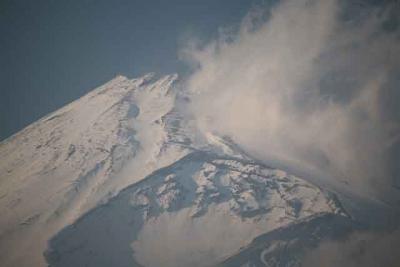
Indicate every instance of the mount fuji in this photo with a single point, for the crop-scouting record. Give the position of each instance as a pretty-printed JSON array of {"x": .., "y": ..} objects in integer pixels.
[{"x": 122, "y": 177}]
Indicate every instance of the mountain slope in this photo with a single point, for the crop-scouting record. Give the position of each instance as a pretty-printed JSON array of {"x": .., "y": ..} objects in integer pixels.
[
  {"x": 61, "y": 166},
  {"x": 287, "y": 246},
  {"x": 121, "y": 177},
  {"x": 195, "y": 212}
]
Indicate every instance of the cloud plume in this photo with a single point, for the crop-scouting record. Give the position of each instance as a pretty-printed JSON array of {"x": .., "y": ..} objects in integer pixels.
[{"x": 306, "y": 83}]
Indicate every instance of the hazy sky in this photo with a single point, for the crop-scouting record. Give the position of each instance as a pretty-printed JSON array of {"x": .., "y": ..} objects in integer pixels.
[{"x": 52, "y": 52}]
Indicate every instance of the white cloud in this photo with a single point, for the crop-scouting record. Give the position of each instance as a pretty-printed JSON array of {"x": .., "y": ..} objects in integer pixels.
[{"x": 303, "y": 87}]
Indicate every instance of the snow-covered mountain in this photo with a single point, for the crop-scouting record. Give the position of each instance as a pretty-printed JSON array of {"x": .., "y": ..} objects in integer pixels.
[
  {"x": 60, "y": 167},
  {"x": 121, "y": 177},
  {"x": 195, "y": 212}
]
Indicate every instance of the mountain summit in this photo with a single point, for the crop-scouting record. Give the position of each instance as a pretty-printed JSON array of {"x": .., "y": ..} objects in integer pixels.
[{"x": 121, "y": 177}]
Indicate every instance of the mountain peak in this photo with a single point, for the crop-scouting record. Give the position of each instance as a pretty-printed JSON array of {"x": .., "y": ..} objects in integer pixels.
[
  {"x": 125, "y": 151},
  {"x": 61, "y": 166}
]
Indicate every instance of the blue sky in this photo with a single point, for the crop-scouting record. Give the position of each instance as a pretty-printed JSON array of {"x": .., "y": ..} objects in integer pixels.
[{"x": 52, "y": 52}]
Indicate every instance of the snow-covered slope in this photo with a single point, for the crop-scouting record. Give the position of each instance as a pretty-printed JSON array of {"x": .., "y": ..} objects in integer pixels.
[
  {"x": 195, "y": 212},
  {"x": 120, "y": 177},
  {"x": 61, "y": 166}
]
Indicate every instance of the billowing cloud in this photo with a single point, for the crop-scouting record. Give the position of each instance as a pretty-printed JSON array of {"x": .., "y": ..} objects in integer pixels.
[{"x": 309, "y": 84}]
